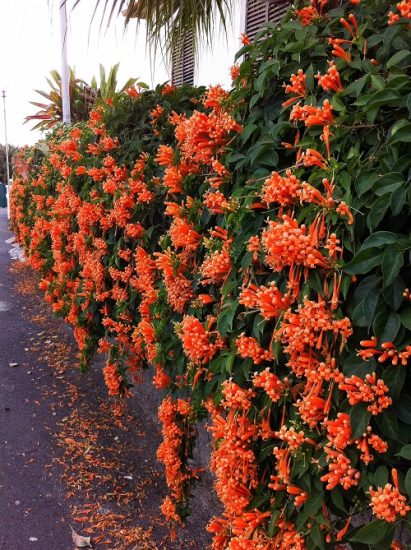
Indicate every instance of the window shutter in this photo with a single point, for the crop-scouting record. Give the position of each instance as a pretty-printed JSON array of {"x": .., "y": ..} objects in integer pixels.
[
  {"x": 276, "y": 9},
  {"x": 183, "y": 61},
  {"x": 259, "y": 12},
  {"x": 256, "y": 16}
]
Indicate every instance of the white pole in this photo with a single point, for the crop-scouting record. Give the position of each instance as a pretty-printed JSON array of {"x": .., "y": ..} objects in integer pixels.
[
  {"x": 7, "y": 154},
  {"x": 65, "y": 79}
]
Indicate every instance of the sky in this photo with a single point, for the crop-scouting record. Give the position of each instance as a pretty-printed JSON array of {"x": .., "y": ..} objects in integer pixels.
[{"x": 30, "y": 49}]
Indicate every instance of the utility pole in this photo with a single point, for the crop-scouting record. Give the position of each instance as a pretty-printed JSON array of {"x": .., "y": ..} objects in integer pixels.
[
  {"x": 65, "y": 79},
  {"x": 7, "y": 154}
]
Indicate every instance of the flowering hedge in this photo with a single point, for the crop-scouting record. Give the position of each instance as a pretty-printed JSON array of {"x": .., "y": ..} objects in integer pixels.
[{"x": 253, "y": 248}]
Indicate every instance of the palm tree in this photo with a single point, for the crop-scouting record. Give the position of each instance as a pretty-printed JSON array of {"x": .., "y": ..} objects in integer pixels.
[
  {"x": 82, "y": 99},
  {"x": 82, "y": 96},
  {"x": 169, "y": 21}
]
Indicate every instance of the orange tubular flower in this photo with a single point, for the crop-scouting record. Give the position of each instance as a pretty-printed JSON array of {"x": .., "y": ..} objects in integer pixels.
[
  {"x": 245, "y": 40},
  {"x": 183, "y": 235},
  {"x": 307, "y": 15},
  {"x": 343, "y": 210},
  {"x": 216, "y": 267},
  {"x": 165, "y": 155},
  {"x": 340, "y": 471},
  {"x": 196, "y": 340},
  {"x": 311, "y": 157},
  {"x": 339, "y": 431},
  {"x": 300, "y": 495},
  {"x": 287, "y": 244},
  {"x": 248, "y": 346},
  {"x": 370, "y": 390},
  {"x": 313, "y": 116},
  {"x": 112, "y": 379},
  {"x": 388, "y": 503},
  {"x": 331, "y": 81},
  {"x": 234, "y": 72},
  {"x": 216, "y": 202},
  {"x": 173, "y": 180},
  {"x": 270, "y": 383},
  {"x": 297, "y": 86},
  {"x": 281, "y": 190},
  {"x": 338, "y": 51}
]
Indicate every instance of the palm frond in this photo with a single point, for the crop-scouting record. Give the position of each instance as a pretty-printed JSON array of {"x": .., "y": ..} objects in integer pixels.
[{"x": 168, "y": 21}]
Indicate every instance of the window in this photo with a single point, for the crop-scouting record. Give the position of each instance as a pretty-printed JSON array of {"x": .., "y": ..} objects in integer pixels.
[
  {"x": 259, "y": 12},
  {"x": 182, "y": 61}
]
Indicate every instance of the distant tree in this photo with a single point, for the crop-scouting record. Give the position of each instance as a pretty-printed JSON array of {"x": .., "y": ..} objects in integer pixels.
[{"x": 12, "y": 151}]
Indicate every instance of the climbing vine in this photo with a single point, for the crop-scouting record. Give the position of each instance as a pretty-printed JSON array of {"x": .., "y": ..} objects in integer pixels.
[{"x": 253, "y": 248}]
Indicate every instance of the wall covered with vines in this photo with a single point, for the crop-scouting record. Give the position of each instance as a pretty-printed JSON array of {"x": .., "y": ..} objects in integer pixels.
[{"x": 253, "y": 249}]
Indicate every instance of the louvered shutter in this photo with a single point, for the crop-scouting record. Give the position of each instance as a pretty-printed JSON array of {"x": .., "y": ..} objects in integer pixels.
[
  {"x": 259, "y": 12},
  {"x": 256, "y": 16},
  {"x": 276, "y": 9},
  {"x": 182, "y": 62}
]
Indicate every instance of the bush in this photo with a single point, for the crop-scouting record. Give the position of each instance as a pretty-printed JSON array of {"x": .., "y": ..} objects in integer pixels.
[{"x": 255, "y": 252}]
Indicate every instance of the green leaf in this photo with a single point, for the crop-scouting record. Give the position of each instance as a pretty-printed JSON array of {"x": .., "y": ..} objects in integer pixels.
[
  {"x": 378, "y": 211},
  {"x": 381, "y": 476},
  {"x": 388, "y": 183},
  {"x": 248, "y": 132},
  {"x": 392, "y": 262},
  {"x": 230, "y": 362},
  {"x": 379, "y": 238},
  {"x": 403, "y": 135},
  {"x": 364, "y": 261},
  {"x": 388, "y": 424},
  {"x": 226, "y": 318},
  {"x": 359, "y": 419},
  {"x": 405, "y": 316},
  {"x": 365, "y": 182},
  {"x": 393, "y": 294},
  {"x": 394, "y": 377},
  {"x": 405, "y": 452},
  {"x": 402, "y": 407},
  {"x": 371, "y": 533},
  {"x": 317, "y": 537},
  {"x": 398, "y": 199},
  {"x": 391, "y": 328},
  {"x": 408, "y": 482},
  {"x": 398, "y": 57}
]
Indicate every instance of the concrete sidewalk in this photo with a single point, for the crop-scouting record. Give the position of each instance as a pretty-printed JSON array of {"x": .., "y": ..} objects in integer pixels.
[{"x": 31, "y": 501}]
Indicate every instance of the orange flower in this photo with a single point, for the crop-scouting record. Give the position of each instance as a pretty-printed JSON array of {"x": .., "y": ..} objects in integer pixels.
[
  {"x": 183, "y": 235},
  {"x": 281, "y": 189},
  {"x": 312, "y": 116},
  {"x": 338, "y": 51},
  {"x": 165, "y": 155},
  {"x": 248, "y": 346},
  {"x": 371, "y": 390},
  {"x": 112, "y": 379},
  {"x": 245, "y": 40},
  {"x": 340, "y": 471},
  {"x": 196, "y": 340},
  {"x": 234, "y": 71},
  {"x": 297, "y": 86},
  {"x": 216, "y": 267},
  {"x": 331, "y": 81},
  {"x": 288, "y": 244},
  {"x": 388, "y": 503}
]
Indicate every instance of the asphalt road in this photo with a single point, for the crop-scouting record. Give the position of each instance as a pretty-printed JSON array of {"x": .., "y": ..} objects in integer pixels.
[{"x": 32, "y": 506}]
